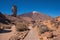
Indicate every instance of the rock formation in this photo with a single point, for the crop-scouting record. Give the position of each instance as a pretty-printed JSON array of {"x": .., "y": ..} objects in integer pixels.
[{"x": 14, "y": 10}]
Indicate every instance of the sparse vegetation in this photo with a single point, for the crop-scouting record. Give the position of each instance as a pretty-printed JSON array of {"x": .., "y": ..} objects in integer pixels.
[
  {"x": 21, "y": 26},
  {"x": 55, "y": 24},
  {"x": 4, "y": 26},
  {"x": 43, "y": 28}
]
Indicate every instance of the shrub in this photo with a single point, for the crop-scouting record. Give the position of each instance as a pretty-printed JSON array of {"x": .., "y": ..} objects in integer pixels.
[
  {"x": 21, "y": 26},
  {"x": 55, "y": 24},
  {"x": 4, "y": 26},
  {"x": 43, "y": 28}
]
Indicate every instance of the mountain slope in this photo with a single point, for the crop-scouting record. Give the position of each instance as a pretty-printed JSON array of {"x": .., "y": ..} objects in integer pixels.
[{"x": 35, "y": 16}]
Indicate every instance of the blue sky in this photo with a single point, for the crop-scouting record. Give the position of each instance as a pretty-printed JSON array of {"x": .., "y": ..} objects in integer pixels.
[{"x": 49, "y": 7}]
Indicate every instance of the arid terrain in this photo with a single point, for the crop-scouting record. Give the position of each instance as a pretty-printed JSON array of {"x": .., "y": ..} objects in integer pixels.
[{"x": 29, "y": 26}]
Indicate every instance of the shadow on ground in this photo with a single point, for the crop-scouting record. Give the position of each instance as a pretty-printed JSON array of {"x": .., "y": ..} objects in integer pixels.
[{"x": 5, "y": 31}]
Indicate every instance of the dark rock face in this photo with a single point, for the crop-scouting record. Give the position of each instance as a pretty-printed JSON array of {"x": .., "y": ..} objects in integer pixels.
[{"x": 3, "y": 19}]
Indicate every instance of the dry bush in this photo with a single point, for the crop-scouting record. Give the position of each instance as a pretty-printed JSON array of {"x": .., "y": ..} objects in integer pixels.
[
  {"x": 43, "y": 28},
  {"x": 7, "y": 26},
  {"x": 55, "y": 23},
  {"x": 4, "y": 26},
  {"x": 21, "y": 26}
]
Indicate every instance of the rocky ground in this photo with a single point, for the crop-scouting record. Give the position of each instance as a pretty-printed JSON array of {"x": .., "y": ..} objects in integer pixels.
[{"x": 32, "y": 26}]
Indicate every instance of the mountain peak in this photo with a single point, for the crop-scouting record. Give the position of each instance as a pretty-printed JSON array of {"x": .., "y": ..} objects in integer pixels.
[{"x": 35, "y": 12}]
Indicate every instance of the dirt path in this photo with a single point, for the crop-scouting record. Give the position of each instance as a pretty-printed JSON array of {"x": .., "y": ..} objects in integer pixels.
[
  {"x": 32, "y": 35},
  {"x": 6, "y": 36}
]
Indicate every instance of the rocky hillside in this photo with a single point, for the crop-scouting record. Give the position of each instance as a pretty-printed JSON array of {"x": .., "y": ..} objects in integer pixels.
[
  {"x": 48, "y": 28},
  {"x": 57, "y": 18},
  {"x": 8, "y": 20}
]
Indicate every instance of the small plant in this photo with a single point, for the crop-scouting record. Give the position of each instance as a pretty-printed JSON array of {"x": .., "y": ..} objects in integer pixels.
[
  {"x": 43, "y": 28},
  {"x": 4, "y": 26},
  {"x": 21, "y": 26},
  {"x": 55, "y": 23}
]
